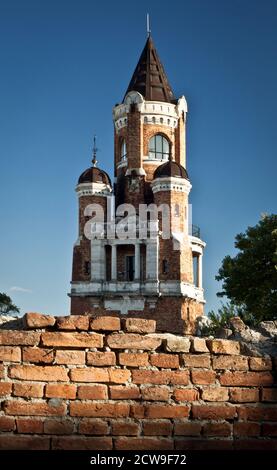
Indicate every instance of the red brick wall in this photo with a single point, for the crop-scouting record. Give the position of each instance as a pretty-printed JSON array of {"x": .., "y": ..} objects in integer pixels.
[{"x": 81, "y": 383}]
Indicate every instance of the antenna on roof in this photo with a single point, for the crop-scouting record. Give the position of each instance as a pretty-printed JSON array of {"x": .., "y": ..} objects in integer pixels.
[
  {"x": 148, "y": 25},
  {"x": 94, "y": 150}
]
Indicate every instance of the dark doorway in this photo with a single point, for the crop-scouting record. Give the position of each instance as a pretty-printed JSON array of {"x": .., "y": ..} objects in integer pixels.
[{"x": 130, "y": 268}]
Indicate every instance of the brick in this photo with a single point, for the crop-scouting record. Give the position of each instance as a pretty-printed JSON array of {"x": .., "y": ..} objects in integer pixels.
[
  {"x": 16, "y": 338},
  {"x": 249, "y": 379},
  {"x": 260, "y": 363},
  {"x": 139, "y": 325},
  {"x": 37, "y": 320},
  {"x": 93, "y": 427},
  {"x": 105, "y": 324},
  {"x": 246, "y": 429},
  {"x": 73, "y": 340},
  {"x": 186, "y": 394},
  {"x": 2, "y": 371},
  {"x": 120, "y": 392},
  {"x": 203, "y": 444},
  {"x": 101, "y": 410},
  {"x": 230, "y": 362},
  {"x": 268, "y": 429},
  {"x": 143, "y": 443},
  {"x": 54, "y": 426},
  {"x": 39, "y": 373},
  {"x": 119, "y": 376},
  {"x": 133, "y": 359},
  {"x": 93, "y": 392},
  {"x": 155, "y": 393},
  {"x": 29, "y": 426},
  {"x": 217, "y": 429},
  {"x": 28, "y": 390},
  {"x": 23, "y": 408},
  {"x": 258, "y": 413},
  {"x": 215, "y": 394},
  {"x": 213, "y": 411},
  {"x": 244, "y": 395},
  {"x": 7, "y": 424},
  {"x": 91, "y": 374},
  {"x": 187, "y": 428},
  {"x": 203, "y": 377},
  {"x": 166, "y": 361},
  {"x": 132, "y": 341},
  {"x": 81, "y": 443},
  {"x": 166, "y": 411},
  {"x": 124, "y": 428},
  {"x": 223, "y": 346},
  {"x": 197, "y": 360},
  {"x": 12, "y": 442},
  {"x": 157, "y": 428},
  {"x": 10, "y": 354},
  {"x": 257, "y": 444},
  {"x": 162, "y": 377},
  {"x": 199, "y": 345},
  {"x": 137, "y": 411},
  {"x": 74, "y": 322},
  {"x": 101, "y": 358},
  {"x": 38, "y": 355},
  {"x": 70, "y": 357},
  {"x": 5, "y": 388},
  {"x": 177, "y": 343},
  {"x": 67, "y": 391},
  {"x": 269, "y": 394}
]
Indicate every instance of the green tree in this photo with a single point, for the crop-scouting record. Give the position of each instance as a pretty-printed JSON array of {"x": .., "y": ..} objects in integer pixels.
[
  {"x": 250, "y": 277},
  {"x": 6, "y": 305}
]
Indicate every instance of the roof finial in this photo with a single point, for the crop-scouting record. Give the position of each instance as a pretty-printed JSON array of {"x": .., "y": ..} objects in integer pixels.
[
  {"x": 148, "y": 25},
  {"x": 94, "y": 150}
]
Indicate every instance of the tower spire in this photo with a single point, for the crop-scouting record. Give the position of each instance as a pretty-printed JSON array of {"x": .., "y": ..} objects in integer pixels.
[{"x": 94, "y": 152}]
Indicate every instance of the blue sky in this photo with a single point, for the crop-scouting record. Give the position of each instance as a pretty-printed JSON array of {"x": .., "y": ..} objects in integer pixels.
[{"x": 64, "y": 64}]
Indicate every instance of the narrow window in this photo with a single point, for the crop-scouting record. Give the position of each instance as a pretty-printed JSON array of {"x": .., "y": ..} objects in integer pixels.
[
  {"x": 123, "y": 150},
  {"x": 87, "y": 267},
  {"x": 165, "y": 266}
]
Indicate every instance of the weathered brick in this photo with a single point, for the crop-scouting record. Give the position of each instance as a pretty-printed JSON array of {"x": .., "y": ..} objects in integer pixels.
[
  {"x": 186, "y": 394},
  {"x": 133, "y": 359},
  {"x": 215, "y": 394},
  {"x": 199, "y": 345},
  {"x": 157, "y": 428},
  {"x": 260, "y": 412},
  {"x": 269, "y": 394},
  {"x": 132, "y": 341},
  {"x": 260, "y": 363},
  {"x": 143, "y": 443},
  {"x": 166, "y": 411},
  {"x": 38, "y": 320},
  {"x": 268, "y": 429},
  {"x": 230, "y": 362},
  {"x": 166, "y": 361},
  {"x": 197, "y": 360},
  {"x": 137, "y": 411},
  {"x": 246, "y": 429},
  {"x": 10, "y": 354},
  {"x": 257, "y": 444},
  {"x": 105, "y": 324},
  {"x": 2, "y": 371},
  {"x": 82, "y": 443},
  {"x": 5, "y": 388},
  {"x": 15, "y": 337},
  {"x": 39, "y": 373},
  {"x": 217, "y": 429},
  {"x": 203, "y": 377},
  {"x": 213, "y": 411},
  {"x": 124, "y": 428},
  {"x": 73, "y": 340},
  {"x": 93, "y": 426},
  {"x": 120, "y": 392},
  {"x": 223, "y": 346},
  {"x": 29, "y": 426},
  {"x": 163, "y": 377},
  {"x": 187, "y": 428},
  {"x": 139, "y": 325},
  {"x": 55, "y": 426},
  {"x": 155, "y": 393},
  {"x": 7, "y": 424},
  {"x": 28, "y": 390},
  {"x": 12, "y": 442},
  {"x": 93, "y": 392},
  {"x": 119, "y": 376},
  {"x": 177, "y": 343},
  {"x": 67, "y": 391},
  {"x": 101, "y": 358},
  {"x": 38, "y": 355},
  {"x": 70, "y": 357},
  {"x": 91, "y": 374},
  {"x": 74, "y": 322},
  {"x": 23, "y": 408},
  {"x": 244, "y": 395},
  {"x": 249, "y": 379},
  {"x": 101, "y": 410}
]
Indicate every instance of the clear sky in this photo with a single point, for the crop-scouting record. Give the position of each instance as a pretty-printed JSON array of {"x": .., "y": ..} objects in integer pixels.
[{"x": 65, "y": 63}]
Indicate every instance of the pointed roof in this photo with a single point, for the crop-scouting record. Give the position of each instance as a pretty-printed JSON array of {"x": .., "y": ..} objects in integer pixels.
[{"x": 149, "y": 77}]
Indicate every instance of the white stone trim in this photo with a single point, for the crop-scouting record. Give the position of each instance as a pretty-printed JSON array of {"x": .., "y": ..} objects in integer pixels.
[
  {"x": 91, "y": 189},
  {"x": 139, "y": 171},
  {"x": 171, "y": 184},
  {"x": 196, "y": 244},
  {"x": 122, "y": 163},
  {"x": 125, "y": 304}
]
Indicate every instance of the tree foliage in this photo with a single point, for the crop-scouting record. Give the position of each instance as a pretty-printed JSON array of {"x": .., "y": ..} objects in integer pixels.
[
  {"x": 6, "y": 305},
  {"x": 250, "y": 277}
]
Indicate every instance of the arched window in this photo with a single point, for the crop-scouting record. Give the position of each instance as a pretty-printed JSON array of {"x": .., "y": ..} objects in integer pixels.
[
  {"x": 159, "y": 147},
  {"x": 123, "y": 150}
]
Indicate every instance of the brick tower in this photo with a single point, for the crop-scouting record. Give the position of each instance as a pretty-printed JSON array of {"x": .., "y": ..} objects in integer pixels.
[{"x": 151, "y": 275}]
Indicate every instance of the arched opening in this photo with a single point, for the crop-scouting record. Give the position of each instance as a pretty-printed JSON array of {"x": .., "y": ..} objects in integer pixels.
[
  {"x": 123, "y": 150},
  {"x": 159, "y": 147}
]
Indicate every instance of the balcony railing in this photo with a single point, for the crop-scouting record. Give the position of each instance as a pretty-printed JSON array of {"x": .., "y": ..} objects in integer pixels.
[{"x": 194, "y": 231}]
